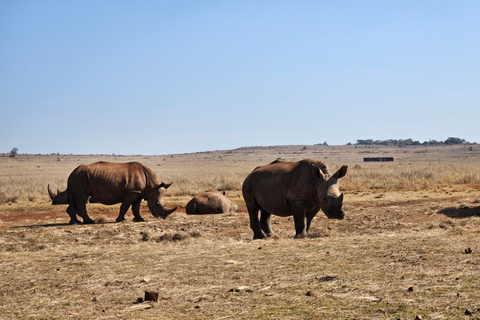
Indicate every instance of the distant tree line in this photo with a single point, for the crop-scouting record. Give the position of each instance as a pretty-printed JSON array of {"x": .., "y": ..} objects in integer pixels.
[{"x": 409, "y": 142}]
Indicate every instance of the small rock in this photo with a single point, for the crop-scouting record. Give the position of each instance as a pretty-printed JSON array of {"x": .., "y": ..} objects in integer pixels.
[
  {"x": 94, "y": 299},
  {"x": 418, "y": 317},
  {"x": 468, "y": 250},
  {"x": 311, "y": 293},
  {"x": 410, "y": 289},
  {"x": 240, "y": 289},
  {"x": 198, "y": 307},
  {"x": 469, "y": 312},
  {"x": 151, "y": 296}
]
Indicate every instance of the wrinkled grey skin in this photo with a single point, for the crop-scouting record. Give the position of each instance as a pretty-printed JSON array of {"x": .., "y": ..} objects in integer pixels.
[
  {"x": 210, "y": 202},
  {"x": 110, "y": 183},
  {"x": 299, "y": 189}
]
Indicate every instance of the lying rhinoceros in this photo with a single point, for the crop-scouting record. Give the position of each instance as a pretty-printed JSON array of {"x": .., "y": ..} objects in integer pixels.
[
  {"x": 110, "y": 183},
  {"x": 208, "y": 202},
  {"x": 298, "y": 188}
]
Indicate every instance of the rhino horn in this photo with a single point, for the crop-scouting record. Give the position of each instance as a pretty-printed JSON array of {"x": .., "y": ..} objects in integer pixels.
[{"x": 50, "y": 192}]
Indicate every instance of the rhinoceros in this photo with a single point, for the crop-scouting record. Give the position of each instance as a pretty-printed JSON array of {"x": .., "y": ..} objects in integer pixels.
[
  {"x": 299, "y": 189},
  {"x": 110, "y": 183},
  {"x": 60, "y": 198},
  {"x": 211, "y": 201}
]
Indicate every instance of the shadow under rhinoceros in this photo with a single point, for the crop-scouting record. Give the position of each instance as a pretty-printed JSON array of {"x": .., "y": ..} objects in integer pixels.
[
  {"x": 48, "y": 225},
  {"x": 460, "y": 213}
]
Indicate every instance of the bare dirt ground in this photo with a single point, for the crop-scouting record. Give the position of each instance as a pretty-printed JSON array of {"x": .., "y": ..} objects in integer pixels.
[{"x": 396, "y": 255}]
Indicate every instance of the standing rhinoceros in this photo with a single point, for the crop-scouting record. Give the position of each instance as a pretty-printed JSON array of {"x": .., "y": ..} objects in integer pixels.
[
  {"x": 298, "y": 188},
  {"x": 212, "y": 201},
  {"x": 110, "y": 183}
]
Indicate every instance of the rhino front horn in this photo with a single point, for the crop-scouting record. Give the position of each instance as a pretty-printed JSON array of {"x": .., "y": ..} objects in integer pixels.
[{"x": 50, "y": 192}]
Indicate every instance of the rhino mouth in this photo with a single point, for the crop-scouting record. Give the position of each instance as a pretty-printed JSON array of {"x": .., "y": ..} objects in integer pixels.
[{"x": 339, "y": 215}]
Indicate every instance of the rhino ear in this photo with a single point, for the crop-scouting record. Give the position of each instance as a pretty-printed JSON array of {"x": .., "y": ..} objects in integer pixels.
[
  {"x": 341, "y": 172},
  {"x": 163, "y": 185},
  {"x": 317, "y": 172}
]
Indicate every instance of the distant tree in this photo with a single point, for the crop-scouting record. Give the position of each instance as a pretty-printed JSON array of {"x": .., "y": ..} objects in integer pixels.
[
  {"x": 14, "y": 152},
  {"x": 452, "y": 140},
  {"x": 325, "y": 143}
]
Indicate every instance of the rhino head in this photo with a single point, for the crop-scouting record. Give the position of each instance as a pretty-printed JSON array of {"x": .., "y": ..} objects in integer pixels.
[
  {"x": 60, "y": 198},
  {"x": 331, "y": 200},
  {"x": 155, "y": 202}
]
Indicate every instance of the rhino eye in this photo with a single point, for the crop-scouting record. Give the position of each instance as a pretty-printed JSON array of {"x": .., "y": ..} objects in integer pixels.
[{"x": 158, "y": 202}]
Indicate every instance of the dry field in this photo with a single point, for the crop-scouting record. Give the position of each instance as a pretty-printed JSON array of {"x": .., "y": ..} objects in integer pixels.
[{"x": 408, "y": 247}]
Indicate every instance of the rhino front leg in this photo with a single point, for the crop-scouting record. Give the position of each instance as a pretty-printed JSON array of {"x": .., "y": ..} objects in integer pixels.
[
  {"x": 72, "y": 212},
  {"x": 136, "y": 211},
  {"x": 300, "y": 219},
  {"x": 82, "y": 212},
  {"x": 123, "y": 209}
]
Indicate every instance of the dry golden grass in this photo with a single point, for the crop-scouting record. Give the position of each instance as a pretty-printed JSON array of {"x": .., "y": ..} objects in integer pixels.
[
  {"x": 402, "y": 251},
  {"x": 25, "y": 178}
]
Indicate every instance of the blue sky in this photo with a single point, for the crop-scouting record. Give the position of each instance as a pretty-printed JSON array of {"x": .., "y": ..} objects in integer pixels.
[{"x": 162, "y": 77}]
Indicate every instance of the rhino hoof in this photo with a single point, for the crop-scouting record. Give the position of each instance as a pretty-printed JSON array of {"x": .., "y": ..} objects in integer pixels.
[
  {"x": 88, "y": 222},
  {"x": 139, "y": 219},
  {"x": 72, "y": 222},
  {"x": 256, "y": 237},
  {"x": 120, "y": 219}
]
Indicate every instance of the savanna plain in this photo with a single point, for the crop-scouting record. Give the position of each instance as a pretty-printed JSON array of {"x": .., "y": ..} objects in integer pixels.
[{"x": 408, "y": 247}]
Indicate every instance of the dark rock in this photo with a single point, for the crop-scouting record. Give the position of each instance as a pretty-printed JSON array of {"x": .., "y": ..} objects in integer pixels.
[
  {"x": 469, "y": 312},
  {"x": 151, "y": 296},
  {"x": 311, "y": 293}
]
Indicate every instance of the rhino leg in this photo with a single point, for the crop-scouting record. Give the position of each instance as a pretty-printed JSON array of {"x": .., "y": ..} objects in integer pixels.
[
  {"x": 266, "y": 222},
  {"x": 300, "y": 219},
  {"x": 254, "y": 222},
  {"x": 123, "y": 209},
  {"x": 82, "y": 212},
  {"x": 310, "y": 217},
  {"x": 72, "y": 212},
  {"x": 136, "y": 211}
]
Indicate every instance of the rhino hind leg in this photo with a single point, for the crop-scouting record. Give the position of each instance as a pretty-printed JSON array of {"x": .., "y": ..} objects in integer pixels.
[
  {"x": 266, "y": 222},
  {"x": 254, "y": 222}
]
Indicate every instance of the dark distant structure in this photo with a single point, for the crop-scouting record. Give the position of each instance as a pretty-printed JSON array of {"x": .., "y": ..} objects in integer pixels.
[{"x": 378, "y": 159}]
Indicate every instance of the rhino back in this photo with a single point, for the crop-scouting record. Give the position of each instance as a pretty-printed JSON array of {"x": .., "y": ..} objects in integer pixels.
[{"x": 107, "y": 182}]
